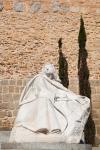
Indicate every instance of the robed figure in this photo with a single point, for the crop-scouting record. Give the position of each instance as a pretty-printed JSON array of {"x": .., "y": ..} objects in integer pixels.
[{"x": 49, "y": 111}]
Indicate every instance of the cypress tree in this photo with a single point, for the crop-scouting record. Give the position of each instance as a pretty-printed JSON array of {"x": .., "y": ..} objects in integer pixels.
[{"x": 63, "y": 66}]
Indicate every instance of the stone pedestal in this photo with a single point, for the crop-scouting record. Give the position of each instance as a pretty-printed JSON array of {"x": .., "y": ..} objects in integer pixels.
[
  {"x": 4, "y": 144},
  {"x": 44, "y": 146}
]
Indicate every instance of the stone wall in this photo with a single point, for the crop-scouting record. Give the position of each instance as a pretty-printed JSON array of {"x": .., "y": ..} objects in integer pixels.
[{"x": 29, "y": 34}]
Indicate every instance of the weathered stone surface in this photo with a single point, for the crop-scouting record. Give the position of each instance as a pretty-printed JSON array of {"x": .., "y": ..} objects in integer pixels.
[
  {"x": 46, "y": 146},
  {"x": 2, "y": 114},
  {"x": 56, "y": 6},
  {"x": 74, "y": 9},
  {"x": 98, "y": 11},
  {"x": 35, "y": 7},
  {"x": 19, "y": 7},
  {"x": 96, "y": 148},
  {"x": 7, "y": 5},
  {"x": 5, "y": 136}
]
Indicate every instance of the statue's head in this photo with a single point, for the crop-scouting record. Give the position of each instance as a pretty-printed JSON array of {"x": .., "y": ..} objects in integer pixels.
[{"x": 49, "y": 71}]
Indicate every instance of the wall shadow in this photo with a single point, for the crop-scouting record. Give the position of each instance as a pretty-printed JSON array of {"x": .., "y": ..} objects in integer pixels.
[
  {"x": 84, "y": 84},
  {"x": 63, "y": 66}
]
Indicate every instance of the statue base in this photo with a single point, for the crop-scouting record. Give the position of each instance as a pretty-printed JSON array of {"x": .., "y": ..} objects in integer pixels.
[
  {"x": 44, "y": 146},
  {"x": 4, "y": 144}
]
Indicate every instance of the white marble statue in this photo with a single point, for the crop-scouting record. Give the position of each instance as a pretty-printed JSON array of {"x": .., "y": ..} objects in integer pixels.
[{"x": 49, "y": 112}]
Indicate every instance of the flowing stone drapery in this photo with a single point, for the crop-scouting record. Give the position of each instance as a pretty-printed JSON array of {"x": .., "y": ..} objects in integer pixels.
[{"x": 48, "y": 110}]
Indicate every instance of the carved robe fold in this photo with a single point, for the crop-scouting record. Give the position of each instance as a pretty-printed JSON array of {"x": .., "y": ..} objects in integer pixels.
[{"x": 46, "y": 107}]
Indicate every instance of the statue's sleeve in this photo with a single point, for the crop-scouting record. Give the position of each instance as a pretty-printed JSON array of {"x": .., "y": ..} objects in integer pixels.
[{"x": 29, "y": 93}]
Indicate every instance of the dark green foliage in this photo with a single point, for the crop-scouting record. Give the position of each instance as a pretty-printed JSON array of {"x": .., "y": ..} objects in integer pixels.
[
  {"x": 84, "y": 84},
  {"x": 83, "y": 71},
  {"x": 82, "y": 35},
  {"x": 90, "y": 131},
  {"x": 63, "y": 66}
]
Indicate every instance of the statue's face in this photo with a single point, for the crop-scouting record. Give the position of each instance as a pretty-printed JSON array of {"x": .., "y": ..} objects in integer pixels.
[{"x": 49, "y": 70}]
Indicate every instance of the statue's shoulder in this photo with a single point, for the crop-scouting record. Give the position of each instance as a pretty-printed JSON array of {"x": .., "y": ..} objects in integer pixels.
[{"x": 36, "y": 77}]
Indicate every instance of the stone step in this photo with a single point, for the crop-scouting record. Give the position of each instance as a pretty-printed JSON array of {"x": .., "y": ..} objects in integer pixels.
[
  {"x": 95, "y": 148},
  {"x": 4, "y": 136},
  {"x": 44, "y": 146}
]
